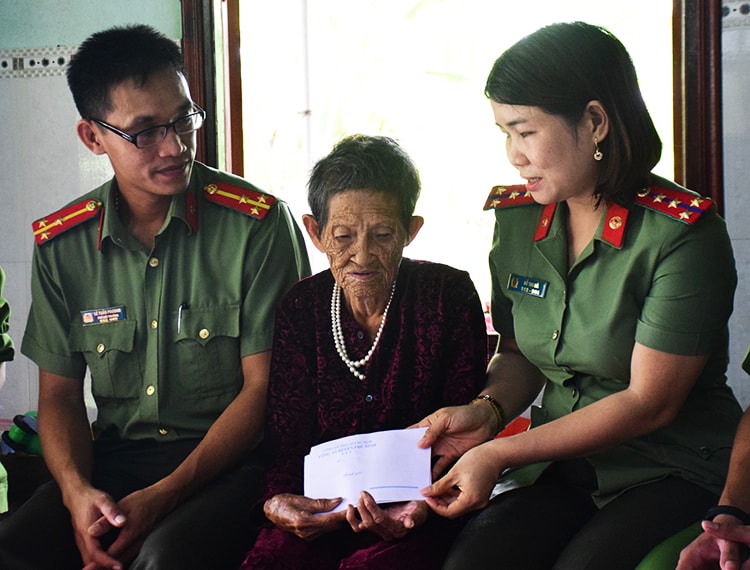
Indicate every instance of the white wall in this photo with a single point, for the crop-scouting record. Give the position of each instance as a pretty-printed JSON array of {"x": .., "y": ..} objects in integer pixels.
[
  {"x": 736, "y": 69},
  {"x": 42, "y": 163}
]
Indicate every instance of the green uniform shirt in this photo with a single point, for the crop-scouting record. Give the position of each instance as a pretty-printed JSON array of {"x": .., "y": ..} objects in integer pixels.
[
  {"x": 6, "y": 353},
  {"x": 6, "y": 343},
  {"x": 645, "y": 277},
  {"x": 162, "y": 332}
]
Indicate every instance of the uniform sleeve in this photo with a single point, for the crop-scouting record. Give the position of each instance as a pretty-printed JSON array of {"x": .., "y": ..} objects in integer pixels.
[
  {"x": 692, "y": 290},
  {"x": 45, "y": 339},
  {"x": 291, "y": 409},
  {"x": 275, "y": 262},
  {"x": 500, "y": 305},
  {"x": 6, "y": 344}
]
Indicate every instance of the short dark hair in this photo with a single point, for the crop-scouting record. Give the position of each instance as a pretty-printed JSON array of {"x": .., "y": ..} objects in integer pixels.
[
  {"x": 110, "y": 57},
  {"x": 362, "y": 162},
  {"x": 560, "y": 68}
]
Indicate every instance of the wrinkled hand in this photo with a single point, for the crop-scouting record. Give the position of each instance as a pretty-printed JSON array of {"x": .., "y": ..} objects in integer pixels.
[
  {"x": 142, "y": 510},
  {"x": 391, "y": 522},
  {"x": 467, "y": 486},
  {"x": 85, "y": 509},
  {"x": 722, "y": 545},
  {"x": 307, "y": 518},
  {"x": 454, "y": 430}
]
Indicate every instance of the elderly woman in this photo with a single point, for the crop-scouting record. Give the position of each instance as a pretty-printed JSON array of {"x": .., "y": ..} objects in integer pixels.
[{"x": 374, "y": 343}]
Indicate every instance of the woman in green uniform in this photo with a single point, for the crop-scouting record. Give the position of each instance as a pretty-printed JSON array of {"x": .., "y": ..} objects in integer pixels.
[{"x": 612, "y": 288}]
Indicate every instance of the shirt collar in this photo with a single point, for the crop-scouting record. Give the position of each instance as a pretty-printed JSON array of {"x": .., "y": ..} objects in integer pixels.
[
  {"x": 184, "y": 207},
  {"x": 611, "y": 229}
]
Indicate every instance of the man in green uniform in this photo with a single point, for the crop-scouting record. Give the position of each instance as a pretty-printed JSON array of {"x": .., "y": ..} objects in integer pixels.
[
  {"x": 6, "y": 354},
  {"x": 162, "y": 284}
]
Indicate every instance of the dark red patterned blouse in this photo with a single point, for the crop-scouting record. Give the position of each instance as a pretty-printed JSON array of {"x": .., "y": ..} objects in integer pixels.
[{"x": 432, "y": 353}]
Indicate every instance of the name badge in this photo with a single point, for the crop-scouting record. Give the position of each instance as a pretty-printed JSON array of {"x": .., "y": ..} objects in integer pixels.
[
  {"x": 527, "y": 285},
  {"x": 100, "y": 316}
]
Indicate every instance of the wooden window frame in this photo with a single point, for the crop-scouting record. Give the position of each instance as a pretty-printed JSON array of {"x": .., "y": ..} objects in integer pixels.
[{"x": 698, "y": 133}]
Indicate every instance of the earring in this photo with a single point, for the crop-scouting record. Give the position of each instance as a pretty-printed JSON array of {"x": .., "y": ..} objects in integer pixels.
[{"x": 597, "y": 153}]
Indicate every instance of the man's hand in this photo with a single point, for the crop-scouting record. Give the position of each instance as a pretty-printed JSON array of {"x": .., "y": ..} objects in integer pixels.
[
  {"x": 452, "y": 431},
  {"x": 724, "y": 544},
  {"x": 88, "y": 507},
  {"x": 142, "y": 510},
  {"x": 393, "y": 521},
  {"x": 304, "y": 517}
]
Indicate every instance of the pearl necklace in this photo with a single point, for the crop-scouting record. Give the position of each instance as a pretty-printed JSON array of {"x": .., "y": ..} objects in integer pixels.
[{"x": 338, "y": 334}]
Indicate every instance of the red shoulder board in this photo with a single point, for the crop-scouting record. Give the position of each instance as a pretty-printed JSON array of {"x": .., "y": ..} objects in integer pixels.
[
  {"x": 675, "y": 203},
  {"x": 506, "y": 196},
  {"x": 48, "y": 227},
  {"x": 250, "y": 202}
]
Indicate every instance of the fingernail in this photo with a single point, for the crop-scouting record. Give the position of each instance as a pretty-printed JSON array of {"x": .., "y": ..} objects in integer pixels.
[{"x": 119, "y": 519}]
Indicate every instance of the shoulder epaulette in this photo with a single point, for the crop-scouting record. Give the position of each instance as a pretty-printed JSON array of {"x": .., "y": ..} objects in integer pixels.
[
  {"x": 675, "y": 203},
  {"x": 70, "y": 216},
  {"x": 251, "y": 202},
  {"x": 507, "y": 196}
]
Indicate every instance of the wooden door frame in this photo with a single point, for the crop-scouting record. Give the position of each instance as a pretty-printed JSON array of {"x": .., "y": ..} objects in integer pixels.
[
  {"x": 697, "y": 79},
  {"x": 698, "y": 118}
]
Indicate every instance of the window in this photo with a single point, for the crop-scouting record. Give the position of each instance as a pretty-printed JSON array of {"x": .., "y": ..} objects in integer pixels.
[{"x": 314, "y": 71}]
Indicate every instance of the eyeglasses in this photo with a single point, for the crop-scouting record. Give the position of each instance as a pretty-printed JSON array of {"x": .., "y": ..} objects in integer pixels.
[{"x": 154, "y": 135}]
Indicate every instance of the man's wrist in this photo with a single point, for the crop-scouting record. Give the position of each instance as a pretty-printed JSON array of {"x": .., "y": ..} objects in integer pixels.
[{"x": 736, "y": 512}]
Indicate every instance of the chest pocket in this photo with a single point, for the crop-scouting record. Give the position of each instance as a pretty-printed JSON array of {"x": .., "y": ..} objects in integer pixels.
[
  {"x": 207, "y": 351},
  {"x": 108, "y": 349}
]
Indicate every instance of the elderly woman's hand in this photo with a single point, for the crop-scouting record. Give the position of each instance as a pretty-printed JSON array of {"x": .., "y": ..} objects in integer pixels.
[
  {"x": 452, "y": 431},
  {"x": 304, "y": 517},
  {"x": 393, "y": 521}
]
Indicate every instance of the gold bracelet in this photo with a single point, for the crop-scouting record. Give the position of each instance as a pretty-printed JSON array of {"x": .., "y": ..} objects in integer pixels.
[{"x": 496, "y": 408}]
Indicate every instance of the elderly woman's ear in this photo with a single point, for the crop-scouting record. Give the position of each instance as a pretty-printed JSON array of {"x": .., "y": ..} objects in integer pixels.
[
  {"x": 415, "y": 225},
  {"x": 313, "y": 230}
]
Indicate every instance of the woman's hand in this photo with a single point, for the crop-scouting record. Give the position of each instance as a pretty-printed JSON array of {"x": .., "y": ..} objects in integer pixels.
[
  {"x": 454, "y": 430},
  {"x": 393, "y": 521},
  {"x": 304, "y": 517},
  {"x": 467, "y": 486}
]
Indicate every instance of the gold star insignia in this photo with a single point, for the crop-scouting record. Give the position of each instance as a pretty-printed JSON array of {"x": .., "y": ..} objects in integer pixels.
[
  {"x": 685, "y": 215},
  {"x": 674, "y": 203},
  {"x": 659, "y": 198},
  {"x": 513, "y": 195},
  {"x": 696, "y": 202},
  {"x": 262, "y": 199},
  {"x": 254, "y": 211}
]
